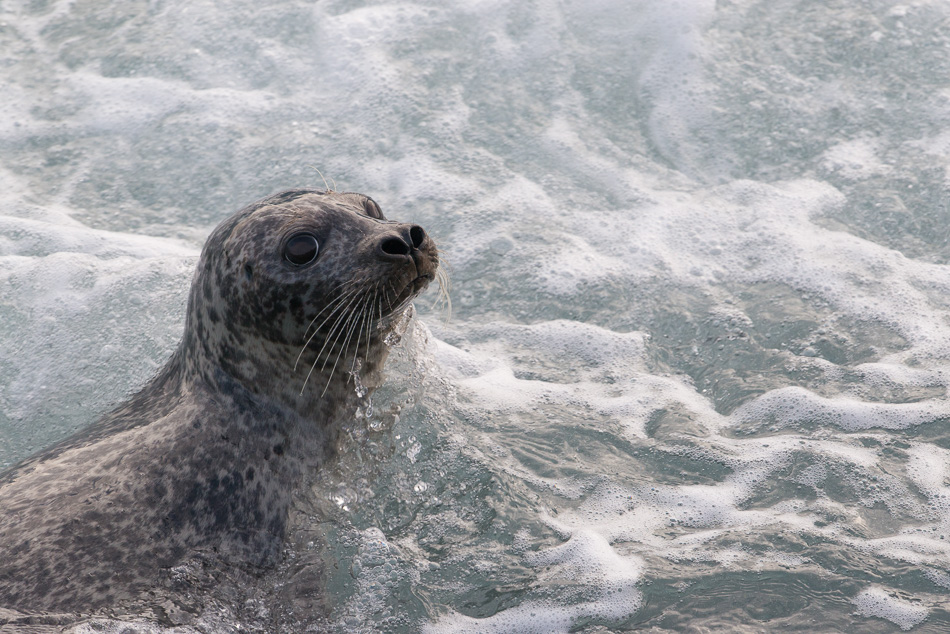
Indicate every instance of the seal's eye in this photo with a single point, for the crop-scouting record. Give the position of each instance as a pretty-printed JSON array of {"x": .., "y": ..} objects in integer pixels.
[
  {"x": 301, "y": 249},
  {"x": 372, "y": 209}
]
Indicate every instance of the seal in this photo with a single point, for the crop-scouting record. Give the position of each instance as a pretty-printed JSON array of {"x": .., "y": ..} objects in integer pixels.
[{"x": 292, "y": 305}]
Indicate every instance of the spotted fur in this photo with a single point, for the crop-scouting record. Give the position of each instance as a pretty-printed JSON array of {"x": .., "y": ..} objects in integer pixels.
[{"x": 197, "y": 470}]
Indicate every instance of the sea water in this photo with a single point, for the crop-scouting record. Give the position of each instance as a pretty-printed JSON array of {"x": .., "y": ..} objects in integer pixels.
[{"x": 695, "y": 374}]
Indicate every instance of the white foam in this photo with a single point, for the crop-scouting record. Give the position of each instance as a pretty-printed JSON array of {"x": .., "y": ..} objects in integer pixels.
[
  {"x": 605, "y": 578},
  {"x": 929, "y": 467},
  {"x": 58, "y": 233},
  {"x": 856, "y": 158},
  {"x": 587, "y": 356},
  {"x": 107, "y": 626},
  {"x": 78, "y": 304},
  {"x": 876, "y": 601},
  {"x": 793, "y": 406}
]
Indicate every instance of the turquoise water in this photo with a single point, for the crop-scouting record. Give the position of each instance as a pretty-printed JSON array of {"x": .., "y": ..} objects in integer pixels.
[{"x": 695, "y": 372}]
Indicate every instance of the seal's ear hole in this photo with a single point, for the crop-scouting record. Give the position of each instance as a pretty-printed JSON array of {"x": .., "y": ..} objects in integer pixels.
[
  {"x": 248, "y": 271},
  {"x": 301, "y": 249},
  {"x": 372, "y": 209}
]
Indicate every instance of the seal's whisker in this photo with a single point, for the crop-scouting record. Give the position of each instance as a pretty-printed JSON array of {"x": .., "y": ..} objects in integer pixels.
[
  {"x": 344, "y": 314},
  {"x": 339, "y": 326},
  {"x": 319, "y": 354},
  {"x": 324, "y": 179},
  {"x": 337, "y": 304},
  {"x": 369, "y": 318},
  {"x": 343, "y": 291},
  {"x": 332, "y": 290},
  {"x": 359, "y": 331},
  {"x": 353, "y": 326},
  {"x": 379, "y": 311},
  {"x": 370, "y": 324},
  {"x": 395, "y": 294},
  {"x": 334, "y": 305},
  {"x": 401, "y": 306},
  {"x": 444, "y": 287},
  {"x": 348, "y": 326}
]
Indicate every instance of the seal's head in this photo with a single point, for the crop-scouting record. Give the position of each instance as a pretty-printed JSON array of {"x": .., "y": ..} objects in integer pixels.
[{"x": 297, "y": 291}]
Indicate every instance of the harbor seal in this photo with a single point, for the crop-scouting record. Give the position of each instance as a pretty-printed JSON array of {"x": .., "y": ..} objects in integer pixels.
[{"x": 288, "y": 316}]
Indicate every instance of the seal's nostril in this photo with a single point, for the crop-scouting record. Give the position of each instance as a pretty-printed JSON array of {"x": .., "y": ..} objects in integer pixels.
[
  {"x": 417, "y": 235},
  {"x": 394, "y": 246}
]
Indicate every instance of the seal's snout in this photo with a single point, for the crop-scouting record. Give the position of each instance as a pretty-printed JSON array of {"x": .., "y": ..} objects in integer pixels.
[
  {"x": 402, "y": 243},
  {"x": 413, "y": 257}
]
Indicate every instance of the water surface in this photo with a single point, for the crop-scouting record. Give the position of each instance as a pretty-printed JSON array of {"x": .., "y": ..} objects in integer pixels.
[{"x": 695, "y": 375}]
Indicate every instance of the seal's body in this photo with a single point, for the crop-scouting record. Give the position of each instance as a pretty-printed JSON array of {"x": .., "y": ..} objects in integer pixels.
[{"x": 290, "y": 305}]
